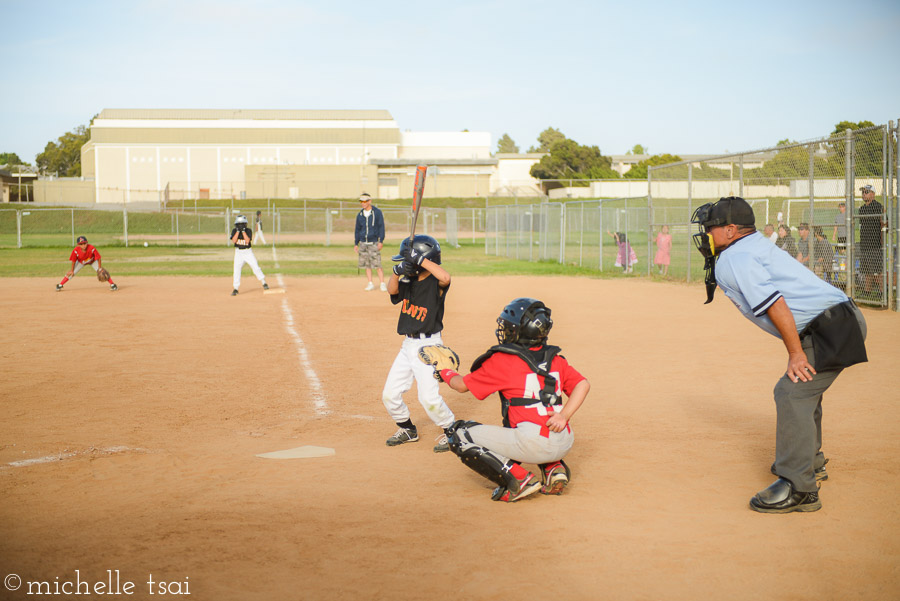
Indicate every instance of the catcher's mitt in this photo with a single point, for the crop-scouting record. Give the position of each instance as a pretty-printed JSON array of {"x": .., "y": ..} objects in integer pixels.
[
  {"x": 102, "y": 274},
  {"x": 439, "y": 357}
]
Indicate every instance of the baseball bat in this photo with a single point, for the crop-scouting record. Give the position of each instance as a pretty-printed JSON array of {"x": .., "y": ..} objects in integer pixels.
[{"x": 418, "y": 189}]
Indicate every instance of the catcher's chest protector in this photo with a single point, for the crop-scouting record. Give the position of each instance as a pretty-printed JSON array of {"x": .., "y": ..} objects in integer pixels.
[{"x": 548, "y": 395}]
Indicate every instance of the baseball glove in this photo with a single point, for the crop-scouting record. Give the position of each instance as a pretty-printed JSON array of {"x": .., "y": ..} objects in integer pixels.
[
  {"x": 439, "y": 357},
  {"x": 102, "y": 274}
]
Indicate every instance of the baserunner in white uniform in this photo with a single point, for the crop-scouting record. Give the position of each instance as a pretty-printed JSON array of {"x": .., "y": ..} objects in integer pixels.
[{"x": 241, "y": 237}]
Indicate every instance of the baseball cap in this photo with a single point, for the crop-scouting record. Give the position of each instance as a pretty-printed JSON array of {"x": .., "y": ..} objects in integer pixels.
[
  {"x": 731, "y": 210},
  {"x": 803, "y": 226},
  {"x": 81, "y": 239},
  {"x": 867, "y": 188}
]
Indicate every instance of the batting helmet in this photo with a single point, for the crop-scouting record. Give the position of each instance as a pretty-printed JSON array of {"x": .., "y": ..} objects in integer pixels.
[
  {"x": 524, "y": 321},
  {"x": 240, "y": 220},
  {"x": 423, "y": 245}
]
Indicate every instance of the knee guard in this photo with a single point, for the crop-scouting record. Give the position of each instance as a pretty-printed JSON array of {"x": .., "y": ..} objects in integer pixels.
[{"x": 482, "y": 461}]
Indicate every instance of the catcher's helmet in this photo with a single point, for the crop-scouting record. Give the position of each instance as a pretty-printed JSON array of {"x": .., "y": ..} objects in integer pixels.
[
  {"x": 524, "y": 321},
  {"x": 240, "y": 220},
  {"x": 423, "y": 245}
]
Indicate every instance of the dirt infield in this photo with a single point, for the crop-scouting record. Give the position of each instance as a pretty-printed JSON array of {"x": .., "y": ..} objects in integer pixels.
[{"x": 131, "y": 421}]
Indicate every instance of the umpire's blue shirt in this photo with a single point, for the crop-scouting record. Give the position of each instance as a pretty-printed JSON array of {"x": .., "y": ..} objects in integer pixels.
[{"x": 754, "y": 274}]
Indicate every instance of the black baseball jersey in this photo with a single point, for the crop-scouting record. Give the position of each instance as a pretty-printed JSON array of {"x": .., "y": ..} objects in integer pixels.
[
  {"x": 241, "y": 243},
  {"x": 421, "y": 306}
]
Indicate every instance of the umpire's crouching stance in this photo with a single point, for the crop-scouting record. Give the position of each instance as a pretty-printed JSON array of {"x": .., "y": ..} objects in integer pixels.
[{"x": 822, "y": 330}]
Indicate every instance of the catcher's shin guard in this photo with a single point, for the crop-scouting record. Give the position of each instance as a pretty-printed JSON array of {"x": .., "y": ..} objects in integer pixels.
[{"x": 482, "y": 461}]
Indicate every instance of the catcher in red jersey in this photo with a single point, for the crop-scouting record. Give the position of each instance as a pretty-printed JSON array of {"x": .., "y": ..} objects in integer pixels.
[
  {"x": 85, "y": 254},
  {"x": 530, "y": 377}
]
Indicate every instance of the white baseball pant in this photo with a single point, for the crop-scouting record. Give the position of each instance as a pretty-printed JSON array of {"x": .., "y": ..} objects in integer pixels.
[
  {"x": 79, "y": 265},
  {"x": 406, "y": 368},
  {"x": 245, "y": 255},
  {"x": 523, "y": 443}
]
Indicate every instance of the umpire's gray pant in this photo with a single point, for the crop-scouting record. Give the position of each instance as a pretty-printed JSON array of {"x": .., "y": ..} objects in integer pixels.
[{"x": 798, "y": 434}]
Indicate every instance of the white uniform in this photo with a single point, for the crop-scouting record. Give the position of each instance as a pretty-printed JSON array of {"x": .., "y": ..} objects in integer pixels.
[
  {"x": 243, "y": 253},
  {"x": 406, "y": 368},
  {"x": 259, "y": 230}
]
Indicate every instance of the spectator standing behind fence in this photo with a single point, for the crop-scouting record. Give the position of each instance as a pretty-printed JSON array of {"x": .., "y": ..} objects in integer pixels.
[
  {"x": 870, "y": 241},
  {"x": 824, "y": 253},
  {"x": 769, "y": 232},
  {"x": 803, "y": 244},
  {"x": 663, "y": 250},
  {"x": 840, "y": 225},
  {"x": 369, "y": 238},
  {"x": 625, "y": 257},
  {"x": 785, "y": 241}
]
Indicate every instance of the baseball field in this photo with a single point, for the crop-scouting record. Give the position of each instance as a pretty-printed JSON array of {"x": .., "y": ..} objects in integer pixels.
[{"x": 132, "y": 421}]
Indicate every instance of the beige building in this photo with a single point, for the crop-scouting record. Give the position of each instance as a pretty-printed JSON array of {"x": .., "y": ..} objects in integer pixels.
[{"x": 166, "y": 154}]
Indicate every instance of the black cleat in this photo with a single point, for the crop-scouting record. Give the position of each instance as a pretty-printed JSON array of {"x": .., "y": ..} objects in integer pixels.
[{"x": 234, "y": 293}]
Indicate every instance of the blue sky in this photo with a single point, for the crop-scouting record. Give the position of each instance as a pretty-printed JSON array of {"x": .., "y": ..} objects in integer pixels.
[{"x": 682, "y": 77}]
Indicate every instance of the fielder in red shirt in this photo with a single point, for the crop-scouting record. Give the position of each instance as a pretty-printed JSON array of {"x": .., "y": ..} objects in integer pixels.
[
  {"x": 84, "y": 254},
  {"x": 531, "y": 377}
]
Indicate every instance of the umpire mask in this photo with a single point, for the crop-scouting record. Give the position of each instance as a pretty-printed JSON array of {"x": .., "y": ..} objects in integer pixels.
[{"x": 703, "y": 240}]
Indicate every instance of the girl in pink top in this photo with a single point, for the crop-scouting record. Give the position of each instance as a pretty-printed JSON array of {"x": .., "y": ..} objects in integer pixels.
[{"x": 663, "y": 247}]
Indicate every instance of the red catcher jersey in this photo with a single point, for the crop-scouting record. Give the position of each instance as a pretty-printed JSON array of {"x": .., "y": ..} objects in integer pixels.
[
  {"x": 512, "y": 377},
  {"x": 86, "y": 256}
]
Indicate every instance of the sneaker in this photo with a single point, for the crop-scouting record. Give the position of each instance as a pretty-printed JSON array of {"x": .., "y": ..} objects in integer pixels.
[
  {"x": 526, "y": 486},
  {"x": 383, "y": 287},
  {"x": 442, "y": 445},
  {"x": 554, "y": 478},
  {"x": 234, "y": 292},
  {"x": 402, "y": 436},
  {"x": 59, "y": 287},
  {"x": 113, "y": 287},
  {"x": 265, "y": 286},
  {"x": 370, "y": 286}
]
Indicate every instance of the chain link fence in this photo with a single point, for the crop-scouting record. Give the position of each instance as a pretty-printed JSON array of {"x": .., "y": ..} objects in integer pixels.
[
  {"x": 831, "y": 203},
  {"x": 319, "y": 223}
]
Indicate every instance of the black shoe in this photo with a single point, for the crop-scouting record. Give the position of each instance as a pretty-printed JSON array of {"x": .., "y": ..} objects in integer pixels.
[
  {"x": 781, "y": 497},
  {"x": 265, "y": 286},
  {"x": 59, "y": 287},
  {"x": 820, "y": 472},
  {"x": 234, "y": 293}
]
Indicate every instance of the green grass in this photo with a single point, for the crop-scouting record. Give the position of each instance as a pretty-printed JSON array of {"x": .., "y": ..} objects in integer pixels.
[{"x": 297, "y": 260}]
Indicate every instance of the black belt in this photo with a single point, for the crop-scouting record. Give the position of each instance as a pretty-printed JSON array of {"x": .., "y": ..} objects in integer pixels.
[{"x": 421, "y": 335}]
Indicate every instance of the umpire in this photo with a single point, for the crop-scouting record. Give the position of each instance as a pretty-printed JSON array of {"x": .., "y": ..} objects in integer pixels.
[{"x": 822, "y": 330}]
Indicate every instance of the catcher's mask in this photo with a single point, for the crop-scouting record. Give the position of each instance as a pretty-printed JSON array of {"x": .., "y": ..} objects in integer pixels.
[
  {"x": 524, "y": 321},
  {"x": 727, "y": 211}
]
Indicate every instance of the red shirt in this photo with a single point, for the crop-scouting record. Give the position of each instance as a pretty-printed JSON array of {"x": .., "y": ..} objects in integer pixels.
[
  {"x": 86, "y": 256},
  {"x": 513, "y": 378}
]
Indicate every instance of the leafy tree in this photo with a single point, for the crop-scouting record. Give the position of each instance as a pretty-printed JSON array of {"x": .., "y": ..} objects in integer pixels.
[
  {"x": 637, "y": 149},
  {"x": 63, "y": 157},
  {"x": 570, "y": 160},
  {"x": 790, "y": 162},
  {"x": 546, "y": 139},
  {"x": 10, "y": 159},
  {"x": 506, "y": 144},
  {"x": 867, "y": 146},
  {"x": 639, "y": 171}
]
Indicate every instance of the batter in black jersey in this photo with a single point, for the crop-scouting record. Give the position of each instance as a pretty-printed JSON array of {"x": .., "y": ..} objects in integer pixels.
[
  {"x": 241, "y": 237},
  {"x": 420, "y": 294},
  {"x": 421, "y": 305}
]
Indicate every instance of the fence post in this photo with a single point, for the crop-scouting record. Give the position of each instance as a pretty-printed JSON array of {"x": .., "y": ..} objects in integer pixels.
[
  {"x": 811, "y": 259},
  {"x": 177, "y": 243},
  {"x": 690, "y": 213},
  {"x": 850, "y": 267},
  {"x": 741, "y": 177},
  {"x": 73, "y": 226},
  {"x": 125, "y": 224},
  {"x": 19, "y": 229}
]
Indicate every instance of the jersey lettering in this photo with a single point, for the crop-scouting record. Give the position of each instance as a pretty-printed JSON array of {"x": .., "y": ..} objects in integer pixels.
[
  {"x": 533, "y": 388},
  {"x": 413, "y": 311}
]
